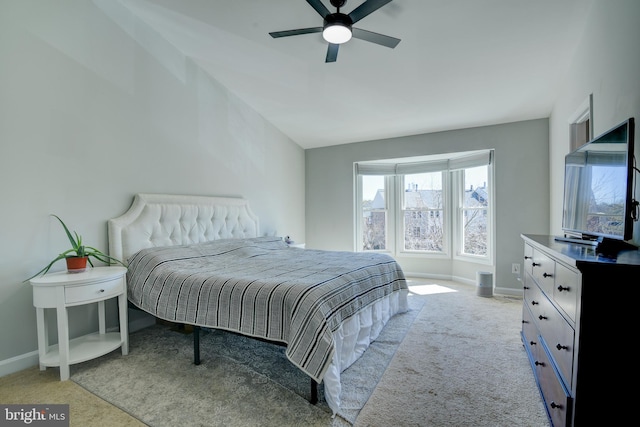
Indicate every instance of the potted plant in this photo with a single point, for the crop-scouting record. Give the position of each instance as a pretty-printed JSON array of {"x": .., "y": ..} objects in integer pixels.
[{"x": 78, "y": 256}]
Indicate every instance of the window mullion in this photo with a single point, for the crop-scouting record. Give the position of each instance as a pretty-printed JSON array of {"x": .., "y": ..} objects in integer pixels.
[{"x": 393, "y": 203}]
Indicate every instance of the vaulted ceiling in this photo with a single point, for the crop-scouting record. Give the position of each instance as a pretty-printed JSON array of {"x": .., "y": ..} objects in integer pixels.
[{"x": 460, "y": 63}]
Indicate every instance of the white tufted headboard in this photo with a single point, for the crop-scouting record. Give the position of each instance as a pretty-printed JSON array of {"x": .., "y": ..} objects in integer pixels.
[{"x": 166, "y": 220}]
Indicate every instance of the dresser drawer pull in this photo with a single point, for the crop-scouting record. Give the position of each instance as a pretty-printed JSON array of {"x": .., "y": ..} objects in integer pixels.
[
  {"x": 524, "y": 321},
  {"x": 563, "y": 288},
  {"x": 101, "y": 290},
  {"x": 525, "y": 287},
  {"x": 541, "y": 317},
  {"x": 562, "y": 347},
  {"x": 527, "y": 257},
  {"x": 539, "y": 363},
  {"x": 532, "y": 343},
  {"x": 535, "y": 264},
  {"x": 535, "y": 303},
  {"x": 545, "y": 275},
  {"x": 554, "y": 405}
]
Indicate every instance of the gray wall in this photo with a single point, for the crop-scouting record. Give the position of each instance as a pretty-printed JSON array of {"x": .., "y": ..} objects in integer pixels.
[
  {"x": 521, "y": 185},
  {"x": 89, "y": 116},
  {"x": 529, "y": 163},
  {"x": 607, "y": 65}
]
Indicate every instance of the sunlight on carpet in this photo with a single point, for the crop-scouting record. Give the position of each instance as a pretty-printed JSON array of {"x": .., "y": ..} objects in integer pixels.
[{"x": 429, "y": 289}]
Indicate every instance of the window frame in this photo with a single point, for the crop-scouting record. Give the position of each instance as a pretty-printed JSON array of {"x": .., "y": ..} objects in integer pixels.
[
  {"x": 401, "y": 209},
  {"x": 581, "y": 124},
  {"x": 389, "y": 217},
  {"x": 457, "y": 226}
]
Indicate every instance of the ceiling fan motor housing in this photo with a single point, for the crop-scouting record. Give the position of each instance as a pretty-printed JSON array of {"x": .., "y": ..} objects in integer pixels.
[{"x": 338, "y": 19}]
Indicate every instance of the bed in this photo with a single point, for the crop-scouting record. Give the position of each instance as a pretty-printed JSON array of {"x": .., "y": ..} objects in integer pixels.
[{"x": 201, "y": 261}]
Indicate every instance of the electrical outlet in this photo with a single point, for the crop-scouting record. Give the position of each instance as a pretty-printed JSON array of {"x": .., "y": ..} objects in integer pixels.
[{"x": 515, "y": 268}]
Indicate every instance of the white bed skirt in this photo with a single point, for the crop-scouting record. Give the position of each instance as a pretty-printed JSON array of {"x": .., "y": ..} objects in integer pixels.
[{"x": 353, "y": 337}]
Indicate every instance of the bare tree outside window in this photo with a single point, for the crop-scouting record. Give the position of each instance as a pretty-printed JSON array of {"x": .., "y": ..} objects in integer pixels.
[
  {"x": 423, "y": 211},
  {"x": 474, "y": 211},
  {"x": 374, "y": 218}
]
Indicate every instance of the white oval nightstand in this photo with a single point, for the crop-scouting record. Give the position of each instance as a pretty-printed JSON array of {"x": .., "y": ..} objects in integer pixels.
[{"x": 62, "y": 290}]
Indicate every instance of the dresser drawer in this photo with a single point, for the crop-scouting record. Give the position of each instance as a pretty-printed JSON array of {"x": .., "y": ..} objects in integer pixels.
[
  {"x": 556, "y": 398},
  {"x": 560, "y": 343},
  {"x": 529, "y": 288},
  {"x": 566, "y": 290},
  {"x": 528, "y": 259},
  {"x": 95, "y": 291},
  {"x": 556, "y": 332},
  {"x": 544, "y": 269},
  {"x": 537, "y": 302},
  {"x": 554, "y": 329},
  {"x": 558, "y": 336},
  {"x": 529, "y": 330}
]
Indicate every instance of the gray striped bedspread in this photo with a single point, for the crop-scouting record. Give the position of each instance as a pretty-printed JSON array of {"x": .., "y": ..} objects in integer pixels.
[{"x": 263, "y": 288}]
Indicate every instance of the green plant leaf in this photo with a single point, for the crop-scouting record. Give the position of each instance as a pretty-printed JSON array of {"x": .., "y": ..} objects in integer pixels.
[
  {"x": 73, "y": 241},
  {"x": 79, "y": 250},
  {"x": 100, "y": 256},
  {"x": 46, "y": 269}
]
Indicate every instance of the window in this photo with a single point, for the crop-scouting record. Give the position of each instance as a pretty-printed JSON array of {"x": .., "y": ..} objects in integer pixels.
[
  {"x": 426, "y": 206},
  {"x": 581, "y": 124},
  {"x": 374, "y": 213},
  {"x": 473, "y": 211},
  {"x": 422, "y": 210}
]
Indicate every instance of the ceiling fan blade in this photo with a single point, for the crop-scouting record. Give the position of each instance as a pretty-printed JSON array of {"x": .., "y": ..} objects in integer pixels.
[
  {"x": 332, "y": 52},
  {"x": 366, "y": 8},
  {"x": 376, "y": 38},
  {"x": 276, "y": 34},
  {"x": 319, "y": 7}
]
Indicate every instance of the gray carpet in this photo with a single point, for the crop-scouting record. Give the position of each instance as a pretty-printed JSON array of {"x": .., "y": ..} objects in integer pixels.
[
  {"x": 457, "y": 361},
  {"x": 461, "y": 364},
  {"x": 240, "y": 381}
]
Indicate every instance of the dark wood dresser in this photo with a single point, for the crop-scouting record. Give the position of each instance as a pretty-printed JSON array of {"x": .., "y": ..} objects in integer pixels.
[{"x": 576, "y": 322}]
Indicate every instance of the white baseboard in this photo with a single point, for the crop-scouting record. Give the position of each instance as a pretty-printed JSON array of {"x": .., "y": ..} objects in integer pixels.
[
  {"x": 428, "y": 276},
  {"x": 18, "y": 363},
  {"x": 496, "y": 290},
  {"x": 137, "y": 321},
  {"x": 509, "y": 292}
]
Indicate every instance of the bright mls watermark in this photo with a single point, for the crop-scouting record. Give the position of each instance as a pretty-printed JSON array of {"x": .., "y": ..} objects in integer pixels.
[{"x": 34, "y": 415}]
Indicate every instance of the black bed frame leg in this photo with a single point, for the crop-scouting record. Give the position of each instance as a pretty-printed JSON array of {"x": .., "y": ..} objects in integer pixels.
[
  {"x": 196, "y": 360},
  {"x": 196, "y": 345},
  {"x": 314, "y": 392}
]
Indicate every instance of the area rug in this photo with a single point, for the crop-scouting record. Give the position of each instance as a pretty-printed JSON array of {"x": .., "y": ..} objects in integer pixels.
[
  {"x": 240, "y": 381},
  {"x": 461, "y": 364}
]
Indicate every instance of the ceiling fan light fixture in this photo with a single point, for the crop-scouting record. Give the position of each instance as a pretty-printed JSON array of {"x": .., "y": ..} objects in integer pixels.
[
  {"x": 337, "y": 28},
  {"x": 336, "y": 34}
]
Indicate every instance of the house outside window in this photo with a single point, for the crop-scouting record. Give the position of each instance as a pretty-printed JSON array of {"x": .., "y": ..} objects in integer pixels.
[
  {"x": 422, "y": 209},
  {"x": 374, "y": 215},
  {"x": 473, "y": 212},
  {"x": 427, "y": 206}
]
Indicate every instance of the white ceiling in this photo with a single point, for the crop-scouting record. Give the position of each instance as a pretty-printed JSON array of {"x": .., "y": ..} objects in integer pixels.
[{"x": 461, "y": 63}]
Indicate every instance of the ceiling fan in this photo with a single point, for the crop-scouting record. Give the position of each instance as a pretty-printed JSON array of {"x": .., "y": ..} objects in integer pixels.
[{"x": 338, "y": 27}]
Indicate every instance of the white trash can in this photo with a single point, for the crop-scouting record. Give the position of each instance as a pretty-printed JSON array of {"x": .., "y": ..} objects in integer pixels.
[{"x": 484, "y": 281}]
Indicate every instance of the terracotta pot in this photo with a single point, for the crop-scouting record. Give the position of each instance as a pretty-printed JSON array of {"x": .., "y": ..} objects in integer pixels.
[{"x": 76, "y": 264}]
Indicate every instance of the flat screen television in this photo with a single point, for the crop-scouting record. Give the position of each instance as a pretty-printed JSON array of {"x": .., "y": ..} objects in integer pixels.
[{"x": 598, "y": 188}]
